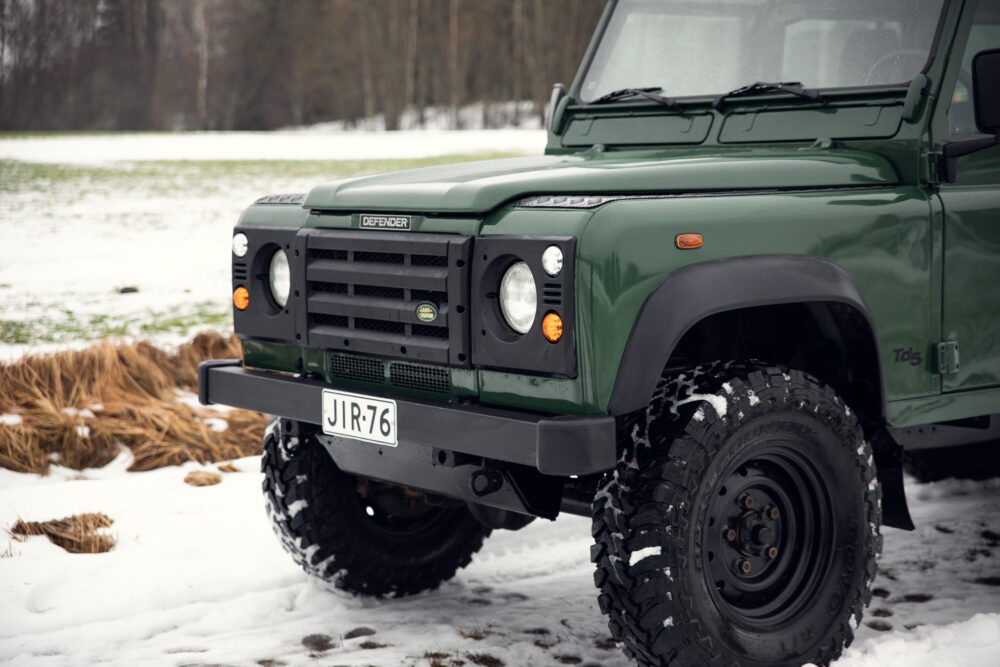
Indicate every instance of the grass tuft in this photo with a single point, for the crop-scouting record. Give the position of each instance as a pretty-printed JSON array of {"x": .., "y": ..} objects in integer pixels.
[
  {"x": 79, "y": 407},
  {"x": 202, "y": 478},
  {"x": 77, "y": 534}
]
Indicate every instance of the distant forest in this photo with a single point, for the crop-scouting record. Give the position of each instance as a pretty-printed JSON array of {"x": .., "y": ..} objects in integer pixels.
[{"x": 262, "y": 64}]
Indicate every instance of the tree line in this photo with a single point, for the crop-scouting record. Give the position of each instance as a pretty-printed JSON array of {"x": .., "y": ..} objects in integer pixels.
[{"x": 262, "y": 64}]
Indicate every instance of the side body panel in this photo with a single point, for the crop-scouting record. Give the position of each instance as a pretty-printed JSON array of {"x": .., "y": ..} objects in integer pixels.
[
  {"x": 883, "y": 238},
  {"x": 972, "y": 282}
]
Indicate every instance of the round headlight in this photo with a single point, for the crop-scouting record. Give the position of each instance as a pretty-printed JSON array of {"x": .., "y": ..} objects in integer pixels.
[
  {"x": 552, "y": 260},
  {"x": 280, "y": 278},
  {"x": 518, "y": 299},
  {"x": 240, "y": 244}
]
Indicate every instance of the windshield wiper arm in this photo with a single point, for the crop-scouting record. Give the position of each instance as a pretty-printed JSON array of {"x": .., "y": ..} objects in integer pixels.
[
  {"x": 650, "y": 93},
  {"x": 764, "y": 87}
]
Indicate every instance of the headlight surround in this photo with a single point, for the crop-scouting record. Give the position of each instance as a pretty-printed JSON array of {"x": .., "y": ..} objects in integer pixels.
[
  {"x": 279, "y": 277},
  {"x": 518, "y": 297}
]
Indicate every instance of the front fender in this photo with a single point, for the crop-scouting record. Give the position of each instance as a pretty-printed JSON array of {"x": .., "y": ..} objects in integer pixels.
[{"x": 690, "y": 294}]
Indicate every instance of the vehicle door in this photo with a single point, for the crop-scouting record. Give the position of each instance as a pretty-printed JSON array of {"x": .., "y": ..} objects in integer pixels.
[{"x": 971, "y": 248}]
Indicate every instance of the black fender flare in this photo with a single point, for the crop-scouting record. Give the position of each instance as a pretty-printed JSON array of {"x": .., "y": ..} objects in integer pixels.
[{"x": 689, "y": 295}]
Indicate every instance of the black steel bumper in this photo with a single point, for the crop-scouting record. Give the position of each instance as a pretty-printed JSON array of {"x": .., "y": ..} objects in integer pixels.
[{"x": 565, "y": 445}]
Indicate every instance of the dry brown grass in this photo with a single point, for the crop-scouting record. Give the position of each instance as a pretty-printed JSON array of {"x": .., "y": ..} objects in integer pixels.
[
  {"x": 202, "y": 478},
  {"x": 76, "y": 534},
  {"x": 131, "y": 389}
]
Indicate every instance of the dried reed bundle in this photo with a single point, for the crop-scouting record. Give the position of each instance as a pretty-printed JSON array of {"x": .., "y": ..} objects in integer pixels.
[
  {"x": 76, "y": 534},
  {"x": 79, "y": 407}
]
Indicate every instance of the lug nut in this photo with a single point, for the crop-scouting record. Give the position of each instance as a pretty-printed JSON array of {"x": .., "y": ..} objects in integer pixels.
[
  {"x": 744, "y": 566},
  {"x": 730, "y": 535},
  {"x": 772, "y": 552},
  {"x": 747, "y": 501},
  {"x": 773, "y": 512}
]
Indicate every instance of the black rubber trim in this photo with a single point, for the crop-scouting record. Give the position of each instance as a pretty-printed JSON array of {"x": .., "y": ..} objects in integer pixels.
[
  {"x": 565, "y": 445},
  {"x": 695, "y": 292}
]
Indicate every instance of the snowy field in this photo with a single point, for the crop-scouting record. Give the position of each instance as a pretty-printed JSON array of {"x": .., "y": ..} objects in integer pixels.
[
  {"x": 197, "y": 578},
  {"x": 111, "y": 235},
  {"x": 129, "y": 235}
]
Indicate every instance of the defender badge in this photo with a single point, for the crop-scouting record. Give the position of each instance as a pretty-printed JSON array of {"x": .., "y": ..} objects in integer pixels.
[
  {"x": 393, "y": 222},
  {"x": 426, "y": 312}
]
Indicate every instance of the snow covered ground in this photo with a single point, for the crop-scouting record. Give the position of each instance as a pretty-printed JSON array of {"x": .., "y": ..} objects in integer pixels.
[
  {"x": 85, "y": 217},
  {"x": 197, "y": 578}
]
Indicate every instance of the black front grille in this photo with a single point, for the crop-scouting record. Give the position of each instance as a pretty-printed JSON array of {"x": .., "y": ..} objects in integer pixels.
[{"x": 363, "y": 290}]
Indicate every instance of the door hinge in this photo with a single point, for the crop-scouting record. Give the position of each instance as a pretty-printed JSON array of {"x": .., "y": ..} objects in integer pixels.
[
  {"x": 947, "y": 357},
  {"x": 934, "y": 166}
]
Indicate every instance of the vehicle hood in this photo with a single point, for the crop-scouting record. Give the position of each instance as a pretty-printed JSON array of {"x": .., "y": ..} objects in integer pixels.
[{"x": 479, "y": 187}]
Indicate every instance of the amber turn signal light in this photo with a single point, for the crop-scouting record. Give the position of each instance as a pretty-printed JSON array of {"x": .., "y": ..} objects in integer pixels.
[
  {"x": 241, "y": 298},
  {"x": 552, "y": 327},
  {"x": 689, "y": 241}
]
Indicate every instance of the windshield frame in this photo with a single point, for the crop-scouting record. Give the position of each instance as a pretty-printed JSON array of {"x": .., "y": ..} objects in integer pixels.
[{"x": 613, "y": 6}]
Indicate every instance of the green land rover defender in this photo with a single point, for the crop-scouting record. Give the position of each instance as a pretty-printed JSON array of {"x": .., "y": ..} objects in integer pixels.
[{"x": 756, "y": 271}]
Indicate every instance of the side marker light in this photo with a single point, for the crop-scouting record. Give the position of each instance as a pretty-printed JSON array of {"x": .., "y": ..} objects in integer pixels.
[
  {"x": 241, "y": 298},
  {"x": 552, "y": 327},
  {"x": 688, "y": 241}
]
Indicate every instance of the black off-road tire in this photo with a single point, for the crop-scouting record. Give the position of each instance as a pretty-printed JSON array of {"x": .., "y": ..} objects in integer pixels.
[
  {"x": 337, "y": 536},
  {"x": 672, "y": 523},
  {"x": 977, "y": 462}
]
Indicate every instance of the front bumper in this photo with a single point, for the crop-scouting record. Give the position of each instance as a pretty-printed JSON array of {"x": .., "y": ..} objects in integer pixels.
[{"x": 563, "y": 446}]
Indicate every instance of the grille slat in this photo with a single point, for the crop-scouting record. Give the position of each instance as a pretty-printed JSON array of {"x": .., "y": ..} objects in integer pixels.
[
  {"x": 370, "y": 342},
  {"x": 404, "y": 243},
  {"x": 374, "y": 273},
  {"x": 382, "y": 308}
]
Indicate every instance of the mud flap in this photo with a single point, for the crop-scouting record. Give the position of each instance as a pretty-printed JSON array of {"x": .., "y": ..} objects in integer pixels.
[{"x": 889, "y": 467}]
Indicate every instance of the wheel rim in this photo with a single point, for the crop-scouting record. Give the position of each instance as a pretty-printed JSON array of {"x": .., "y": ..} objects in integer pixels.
[
  {"x": 769, "y": 537},
  {"x": 393, "y": 513}
]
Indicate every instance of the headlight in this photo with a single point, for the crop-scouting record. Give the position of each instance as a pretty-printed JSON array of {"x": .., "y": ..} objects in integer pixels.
[
  {"x": 518, "y": 299},
  {"x": 280, "y": 277}
]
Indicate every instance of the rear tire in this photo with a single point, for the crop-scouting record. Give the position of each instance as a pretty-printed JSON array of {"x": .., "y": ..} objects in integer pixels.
[
  {"x": 362, "y": 536},
  {"x": 734, "y": 461}
]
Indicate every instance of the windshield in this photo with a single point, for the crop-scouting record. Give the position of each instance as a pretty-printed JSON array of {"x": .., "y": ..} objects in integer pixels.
[{"x": 709, "y": 47}]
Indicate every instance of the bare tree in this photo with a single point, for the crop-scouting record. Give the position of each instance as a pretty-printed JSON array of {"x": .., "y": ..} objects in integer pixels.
[
  {"x": 259, "y": 64},
  {"x": 453, "y": 52},
  {"x": 200, "y": 26}
]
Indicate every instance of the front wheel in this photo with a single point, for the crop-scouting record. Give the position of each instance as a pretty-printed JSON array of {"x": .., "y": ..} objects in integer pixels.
[
  {"x": 740, "y": 525},
  {"x": 360, "y": 535}
]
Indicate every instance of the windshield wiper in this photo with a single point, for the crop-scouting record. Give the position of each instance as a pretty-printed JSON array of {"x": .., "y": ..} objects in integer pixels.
[
  {"x": 649, "y": 93},
  {"x": 763, "y": 87}
]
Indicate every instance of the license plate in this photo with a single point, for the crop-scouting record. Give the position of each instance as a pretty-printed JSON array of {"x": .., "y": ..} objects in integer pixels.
[{"x": 359, "y": 417}]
